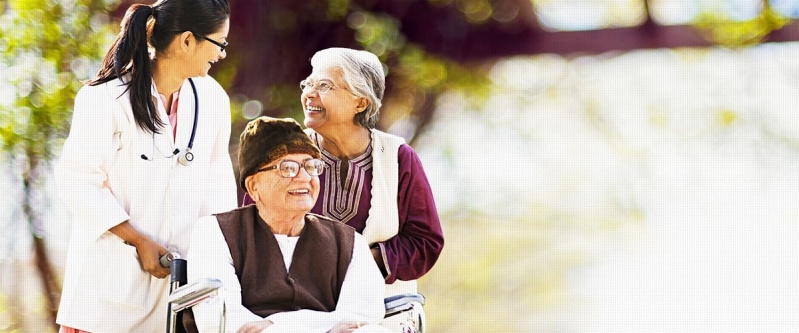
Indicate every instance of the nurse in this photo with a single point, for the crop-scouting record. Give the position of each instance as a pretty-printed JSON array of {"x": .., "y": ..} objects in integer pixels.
[{"x": 146, "y": 156}]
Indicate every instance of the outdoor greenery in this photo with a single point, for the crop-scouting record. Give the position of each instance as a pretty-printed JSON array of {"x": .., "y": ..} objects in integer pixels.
[
  {"x": 534, "y": 160},
  {"x": 49, "y": 47},
  {"x": 45, "y": 46}
]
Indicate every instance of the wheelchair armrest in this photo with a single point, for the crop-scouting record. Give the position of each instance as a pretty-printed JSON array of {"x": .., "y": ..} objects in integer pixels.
[
  {"x": 193, "y": 293},
  {"x": 402, "y": 302}
]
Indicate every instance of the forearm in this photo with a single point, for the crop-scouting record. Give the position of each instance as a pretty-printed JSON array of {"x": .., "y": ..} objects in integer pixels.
[
  {"x": 129, "y": 234},
  {"x": 148, "y": 250},
  {"x": 209, "y": 257},
  {"x": 418, "y": 244},
  {"x": 362, "y": 292},
  {"x": 377, "y": 255}
]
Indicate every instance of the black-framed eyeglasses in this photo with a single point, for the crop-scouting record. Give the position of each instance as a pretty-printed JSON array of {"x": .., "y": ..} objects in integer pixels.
[
  {"x": 222, "y": 45},
  {"x": 290, "y": 169},
  {"x": 321, "y": 87}
]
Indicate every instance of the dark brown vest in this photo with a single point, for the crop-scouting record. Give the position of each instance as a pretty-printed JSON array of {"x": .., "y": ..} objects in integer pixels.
[{"x": 317, "y": 271}]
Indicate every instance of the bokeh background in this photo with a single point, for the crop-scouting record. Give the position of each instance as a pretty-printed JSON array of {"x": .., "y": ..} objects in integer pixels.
[{"x": 599, "y": 165}]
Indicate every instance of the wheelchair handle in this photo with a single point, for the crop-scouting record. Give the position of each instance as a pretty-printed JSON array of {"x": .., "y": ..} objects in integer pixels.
[
  {"x": 178, "y": 273},
  {"x": 166, "y": 259}
]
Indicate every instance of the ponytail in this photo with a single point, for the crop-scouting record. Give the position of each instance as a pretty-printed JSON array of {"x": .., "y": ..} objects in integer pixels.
[{"x": 129, "y": 55}]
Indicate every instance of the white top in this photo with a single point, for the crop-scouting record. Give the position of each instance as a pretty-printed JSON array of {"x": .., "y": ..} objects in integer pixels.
[{"x": 361, "y": 296}]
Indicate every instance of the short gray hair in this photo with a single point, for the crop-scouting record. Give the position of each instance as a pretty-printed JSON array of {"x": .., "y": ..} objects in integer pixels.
[{"x": 363, "y": 75}]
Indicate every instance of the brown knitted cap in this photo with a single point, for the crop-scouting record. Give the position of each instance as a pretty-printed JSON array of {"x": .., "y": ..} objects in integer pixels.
[{"x": 267, "y": 139}]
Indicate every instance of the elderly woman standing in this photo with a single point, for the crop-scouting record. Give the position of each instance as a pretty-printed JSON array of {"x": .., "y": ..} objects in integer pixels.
[
  {"x": 284, "y": 270},
  {"x": 375, "y": 182}
]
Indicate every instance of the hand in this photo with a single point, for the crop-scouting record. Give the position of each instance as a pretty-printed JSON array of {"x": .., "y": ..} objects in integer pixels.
[
  {"x": 149, "y": 251},
  {"x": 255, "y": 326},
  {"x": 149, "y": 254},
  {"x": 347, "y": 326}
]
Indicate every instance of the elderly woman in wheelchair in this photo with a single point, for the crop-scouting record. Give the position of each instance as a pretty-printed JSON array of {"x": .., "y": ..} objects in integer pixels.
[{"x": 281, "y": 268}]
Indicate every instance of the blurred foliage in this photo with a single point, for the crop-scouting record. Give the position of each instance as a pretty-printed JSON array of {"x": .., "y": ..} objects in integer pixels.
[
  {"x": 7, "y": 320},
  {"x": 45, "y": 45},
  {"x": 521, "y": 265},
  {"x": 723, "y": 30},
  {"x": 269, "y": 70},
  {"x": 415, "y": 77}
]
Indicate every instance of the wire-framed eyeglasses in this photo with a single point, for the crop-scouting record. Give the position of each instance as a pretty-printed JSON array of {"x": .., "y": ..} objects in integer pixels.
[
  {"x": 222, "y": 45},
  {"x": 290, "y": 169},
  {"x": 321, "y": 87}
]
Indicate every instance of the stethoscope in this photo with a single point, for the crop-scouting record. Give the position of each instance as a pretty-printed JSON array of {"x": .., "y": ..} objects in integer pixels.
[{"x": 187, "y": 157}]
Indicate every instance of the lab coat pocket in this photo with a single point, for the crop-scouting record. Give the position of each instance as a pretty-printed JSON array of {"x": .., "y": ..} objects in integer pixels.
[{"x": 123, "y": 284}]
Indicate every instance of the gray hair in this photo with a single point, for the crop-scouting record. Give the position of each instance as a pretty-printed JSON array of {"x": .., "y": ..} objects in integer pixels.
[{"x": 363, "y": 75}]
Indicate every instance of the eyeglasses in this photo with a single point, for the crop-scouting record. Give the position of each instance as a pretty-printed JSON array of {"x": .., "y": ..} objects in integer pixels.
[
  {"x": 222, "y": 45},
  {"x": 321, "y": 87},
  {"x": 290, "y": 169}
]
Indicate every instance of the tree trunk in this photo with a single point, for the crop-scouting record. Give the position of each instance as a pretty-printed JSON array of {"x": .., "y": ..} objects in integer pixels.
[{"x": 52, "y": 290}]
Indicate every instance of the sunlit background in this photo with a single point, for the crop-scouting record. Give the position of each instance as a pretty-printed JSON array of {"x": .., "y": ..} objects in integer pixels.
[{"x": 648, "y": 189}]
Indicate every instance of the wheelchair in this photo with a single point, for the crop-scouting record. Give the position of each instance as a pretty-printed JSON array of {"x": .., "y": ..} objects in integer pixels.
[{"x": 404, "y": 312}]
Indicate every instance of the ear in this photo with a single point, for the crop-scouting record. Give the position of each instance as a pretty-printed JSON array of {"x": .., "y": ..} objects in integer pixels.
[
  {"x": 187, "y": 39},
  {"x": 361, "y": 104},
  {"x": 251, "y": 186}
]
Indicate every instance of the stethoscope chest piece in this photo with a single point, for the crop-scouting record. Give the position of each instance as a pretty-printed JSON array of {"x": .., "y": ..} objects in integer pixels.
[{"x": 186, "y": 158}]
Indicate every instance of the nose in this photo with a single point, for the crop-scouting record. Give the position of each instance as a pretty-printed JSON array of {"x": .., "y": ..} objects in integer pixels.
[
  {"x": 223, "y": 54},
  {"x": 309, "y": 92},
  {"x": 303, "y": 176}
]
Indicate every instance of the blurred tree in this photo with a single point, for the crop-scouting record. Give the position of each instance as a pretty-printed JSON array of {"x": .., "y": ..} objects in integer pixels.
[
  {"x": 272, "y": 42},
  {"x": 723, "y": 30},
  {"x": 45, "y": 47}
]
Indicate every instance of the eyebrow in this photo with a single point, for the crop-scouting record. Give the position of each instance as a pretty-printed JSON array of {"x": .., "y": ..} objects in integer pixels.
[{"x": 322, "y": 79}]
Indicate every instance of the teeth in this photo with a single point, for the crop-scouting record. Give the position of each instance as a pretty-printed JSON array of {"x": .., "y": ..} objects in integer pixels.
[
  {"x": 299, "y": 192},
  {"x": 313, "y": 108}
]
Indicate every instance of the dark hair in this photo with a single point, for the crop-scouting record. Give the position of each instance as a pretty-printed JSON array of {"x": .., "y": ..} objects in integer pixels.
[{"x": 129, "y": 53}]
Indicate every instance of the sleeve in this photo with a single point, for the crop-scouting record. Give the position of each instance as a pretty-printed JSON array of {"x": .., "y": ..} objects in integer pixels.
[
  {"x": 85, "y": 159},
  {"x": 221, "y": 194},
  {"x": 361, "y": 298},
  {"x": 417, "y": 246},
  {"x": 209, "y": 257}
]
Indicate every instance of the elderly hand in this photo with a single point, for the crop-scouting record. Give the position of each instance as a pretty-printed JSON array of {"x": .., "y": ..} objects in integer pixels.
[
  {"x": 347, "y": 326},
  {"x": 255, "y": 326}
]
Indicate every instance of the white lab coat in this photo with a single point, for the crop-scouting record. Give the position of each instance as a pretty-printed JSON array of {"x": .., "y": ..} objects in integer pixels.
[{"x": 104, "y": 181}]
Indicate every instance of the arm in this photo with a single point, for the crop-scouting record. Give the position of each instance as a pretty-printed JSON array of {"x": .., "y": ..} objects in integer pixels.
[
  {"x": 209, "y": 257},
  {"x": 88, "y": 153},
  {"x": 148, "y": 250},
  {"x": 361, "y": 298},
  {"x": 85, "y": 159},
  {"x": 221, "y": 194},
  {"x": 415, "y": 249}
]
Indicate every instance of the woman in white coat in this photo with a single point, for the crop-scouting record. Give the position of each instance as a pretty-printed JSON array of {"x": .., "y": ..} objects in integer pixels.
[{"x": 147, "y": 155}]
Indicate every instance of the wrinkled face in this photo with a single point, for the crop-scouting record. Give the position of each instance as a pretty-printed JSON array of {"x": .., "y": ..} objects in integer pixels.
[
  {"x": 285, "y": 195},
  {"x": 206, "y": 53},
  {"x": 333, "y": 109}
]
